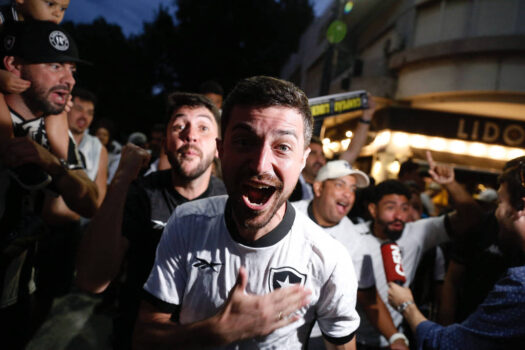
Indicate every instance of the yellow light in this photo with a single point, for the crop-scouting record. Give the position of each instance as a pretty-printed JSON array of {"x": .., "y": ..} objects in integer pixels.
[
  {"x": 393, "y": 167},
  {"x": 400, "y": 139},
  {"x": 345, "y": 143},
  {"x": 335, "y": 146},
  {"x": 418, "y": 141},
  {"x": 497, "y": 152},
  {"x": 457, "y": 146},
  {"x": 515, "y": 153},
  {"x": 477, "y": 149},
  {"x": 326, "y": 141},
  {"x": 382, "y": 139},
  {"x": 348, "y": 133},
  {"x": 376, "y": 169},
  {"x": 437, "y": 144}
]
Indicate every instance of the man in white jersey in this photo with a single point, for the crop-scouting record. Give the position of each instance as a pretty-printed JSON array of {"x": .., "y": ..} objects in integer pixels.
[
  {"x": 334, "y": 195},
  {"x": 390, "y": 209},
  {"x": 248, "y": 271}
]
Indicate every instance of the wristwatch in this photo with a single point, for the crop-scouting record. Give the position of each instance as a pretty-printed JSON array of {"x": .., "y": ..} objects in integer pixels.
[
  {"x": 403, "y": 306},
  {"x": 64, "y": 168}
]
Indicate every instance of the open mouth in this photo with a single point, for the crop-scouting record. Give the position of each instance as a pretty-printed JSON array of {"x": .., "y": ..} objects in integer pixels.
[
  {"x": 60, "y": 96},
  {"x": 342, "y": 206},
  {"x": 256, "y": 196}
]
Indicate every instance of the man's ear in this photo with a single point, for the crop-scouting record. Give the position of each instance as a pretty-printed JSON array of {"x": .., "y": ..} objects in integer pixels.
[
  {"x": 521, "y": 213},
  {"x": 12, "y": 65},
  {"x": 305, "y": 156},
  {"x": 317, "y": 187},
  {"x": 372, "y": 209}
]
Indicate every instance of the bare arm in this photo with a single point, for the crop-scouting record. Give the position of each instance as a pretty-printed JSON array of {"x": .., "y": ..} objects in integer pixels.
[
  {"x": 78, "y": 191},
  {"x": 242, "y": 316},
  {"x": 102, "y": 175},
  {"x": 378, "y": 314},
  {"x": 348, "y": 346},
  {"x": 398, "y": 295},
  {"x": 453, "y": 278},
  {"x": 103, "y": 246},
  {"x": 361, "y": 133},
  {"x": 468, "y": 212}
]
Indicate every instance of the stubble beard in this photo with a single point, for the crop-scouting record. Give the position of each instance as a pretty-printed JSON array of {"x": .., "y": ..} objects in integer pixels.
[
  {"x": 253, "y": 221},
  {"x": 36, "y": 98},
  {"x": 177, "y": 161}
]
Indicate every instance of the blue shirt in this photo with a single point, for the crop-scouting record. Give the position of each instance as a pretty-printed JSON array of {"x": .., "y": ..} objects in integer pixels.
[{"x": 498, "y": 323}]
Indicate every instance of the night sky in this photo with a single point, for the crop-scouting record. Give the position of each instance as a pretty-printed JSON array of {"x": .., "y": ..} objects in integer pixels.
[{"x": 130, "y": 14}]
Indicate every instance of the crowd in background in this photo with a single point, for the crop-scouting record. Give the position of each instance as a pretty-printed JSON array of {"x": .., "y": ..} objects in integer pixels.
[{"x": 70, "y": 239}]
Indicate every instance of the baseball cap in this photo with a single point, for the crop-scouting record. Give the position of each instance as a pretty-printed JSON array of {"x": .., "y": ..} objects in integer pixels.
[
  {"x": 338, "y": 168},
  {"x": 39, "y": 42}
]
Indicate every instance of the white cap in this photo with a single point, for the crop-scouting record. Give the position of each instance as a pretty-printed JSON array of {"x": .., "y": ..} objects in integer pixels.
[
  {"x": 489, "y": 195},
  {"x": 339, "y": 168}
]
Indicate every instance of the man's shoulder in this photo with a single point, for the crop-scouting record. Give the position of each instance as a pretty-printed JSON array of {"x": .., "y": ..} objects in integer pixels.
[
  {"x": 316, "y": 236},
  {"x": 205, "y": 207},
  {"x": 216, "y": 187},
  {"x": 157, "y": 180},
  {"x": 302, "y": 205}
]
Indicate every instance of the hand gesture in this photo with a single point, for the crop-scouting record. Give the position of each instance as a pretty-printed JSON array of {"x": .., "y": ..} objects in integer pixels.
[
  {"x": 441, "y": 173},
  {"x": 11, "y": 84},
  {"x": 69, "y": 104},
  {"x": 397, "y": 295},
  {"x": 246, "y": 316},
  {"x": 132, "y": 159}
]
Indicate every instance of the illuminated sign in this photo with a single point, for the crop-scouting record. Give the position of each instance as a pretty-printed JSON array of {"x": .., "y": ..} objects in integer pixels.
[{"x": 325, "y": 106}]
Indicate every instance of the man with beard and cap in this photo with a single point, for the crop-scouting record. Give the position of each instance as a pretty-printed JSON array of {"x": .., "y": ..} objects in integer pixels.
[
  {"x": 248, "y": 271},
  {"x": 44, "y": 54},
  {"x": 334, "y": 195},
  {"x": 129, "y": 227},
  {"x": 390, "y": 209}
]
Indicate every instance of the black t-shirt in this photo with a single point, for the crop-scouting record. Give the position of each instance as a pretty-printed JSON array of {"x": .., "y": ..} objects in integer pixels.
[{"x": 149, "y": 204}]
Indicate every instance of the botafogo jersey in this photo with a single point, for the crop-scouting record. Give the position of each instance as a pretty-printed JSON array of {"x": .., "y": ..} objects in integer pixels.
[{"x": 199, "y": 257}]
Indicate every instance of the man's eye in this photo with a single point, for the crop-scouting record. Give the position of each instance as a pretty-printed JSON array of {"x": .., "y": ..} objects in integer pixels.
[
  {"x": 178, "y": 127},
  {"x": 204, "y": 128},
  {"x": 284, "y": 148}
]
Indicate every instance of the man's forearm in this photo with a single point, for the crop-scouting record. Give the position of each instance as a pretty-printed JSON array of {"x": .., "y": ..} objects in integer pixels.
[
  {"x": 468, "y": 212},
  {"x": 377, "y": 312},
  {"x": 78, "y": 191},
  {"x": 413, "y": 316},
  {"x": 103, "y": 246}
]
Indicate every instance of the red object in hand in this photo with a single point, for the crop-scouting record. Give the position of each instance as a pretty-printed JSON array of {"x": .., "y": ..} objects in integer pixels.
[{"x": 392, "y": 263}]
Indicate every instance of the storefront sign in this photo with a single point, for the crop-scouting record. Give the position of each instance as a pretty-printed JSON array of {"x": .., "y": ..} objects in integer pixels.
[
  {"x": 456, "y": 126},
  {"x": 339, "y": 103}
]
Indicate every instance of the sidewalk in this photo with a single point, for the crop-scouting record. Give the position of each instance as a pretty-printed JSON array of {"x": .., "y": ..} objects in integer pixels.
[{"x": 72, "y": 325}]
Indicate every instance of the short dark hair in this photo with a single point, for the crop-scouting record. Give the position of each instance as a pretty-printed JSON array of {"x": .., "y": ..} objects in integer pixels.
[
  {"x": 512, "y": 176},
  {"x": 84, "y": 94},
  {"x": 407, "y": 167},
  {"x": 177, "y": 100},
  {"x": 316, "y": 140},
  {"x": 264, "y": 92},
  {"x": 390, "y": 187},
  {"x": 212, "y": 87}
]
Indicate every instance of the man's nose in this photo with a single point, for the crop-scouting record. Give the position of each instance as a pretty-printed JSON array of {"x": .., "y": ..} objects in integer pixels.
[{"x": 262, "y": 160}]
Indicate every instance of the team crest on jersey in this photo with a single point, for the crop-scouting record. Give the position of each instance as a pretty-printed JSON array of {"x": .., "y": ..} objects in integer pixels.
[
  {"x": 58, "y": 40},
  {"x": 281, "y": 277}
]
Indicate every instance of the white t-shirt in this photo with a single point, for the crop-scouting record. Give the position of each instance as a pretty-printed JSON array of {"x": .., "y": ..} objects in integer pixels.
[
  {"x": 349, "y": 235},
  {"x": 199, "y": 256},
  {"x": 416, "y": 239}
]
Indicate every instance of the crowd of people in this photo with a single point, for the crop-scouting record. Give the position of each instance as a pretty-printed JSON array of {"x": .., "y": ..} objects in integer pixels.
[{"x": 227, "y": 227}]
